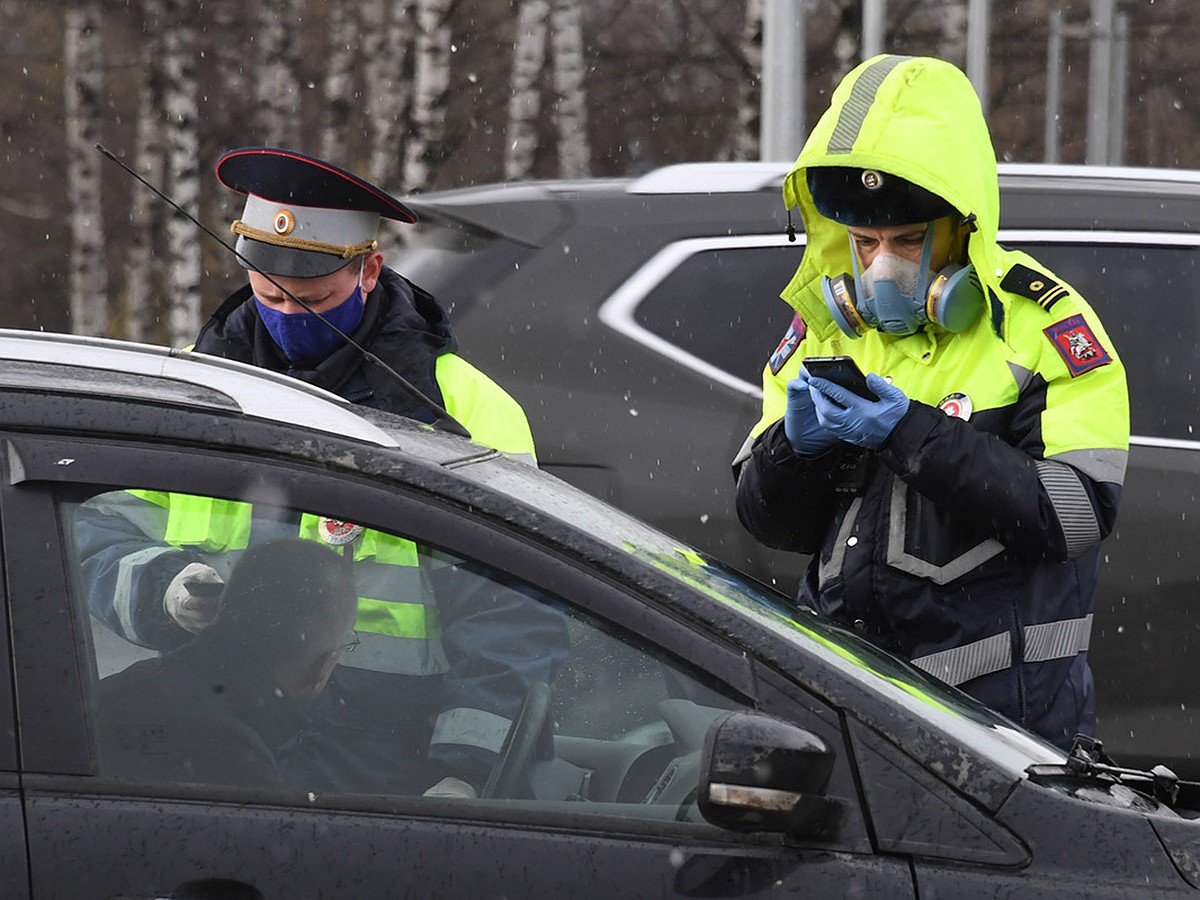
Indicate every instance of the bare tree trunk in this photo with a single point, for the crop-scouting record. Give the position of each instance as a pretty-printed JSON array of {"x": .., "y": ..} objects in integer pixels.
[
  {"x": 431, "y": 81},
  {"x": 746, "y": 143},
  {"x": 574, "y": 146},
  {"x": 524, "y": 97},
  {"x": 278, "y": 87},
  {"x": 387, "y": 46},
  {"x": 846, "y": 44},
  {"x": 83, "y": 84},
  {"x": 183, "y": 172},
  {"x": 141, "y": 304},
  {"x": 343, "y": 30},
  {"x": 953, "y": 19}
]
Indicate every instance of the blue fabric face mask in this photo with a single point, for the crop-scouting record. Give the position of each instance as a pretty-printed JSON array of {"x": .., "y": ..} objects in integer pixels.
[{"x": 303, "y": 337}]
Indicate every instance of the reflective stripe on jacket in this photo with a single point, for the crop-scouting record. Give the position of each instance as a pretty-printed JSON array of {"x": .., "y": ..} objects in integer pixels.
[{"x": 397, "y": 621}]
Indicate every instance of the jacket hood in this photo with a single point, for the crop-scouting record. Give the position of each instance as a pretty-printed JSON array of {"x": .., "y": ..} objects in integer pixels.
[{"x": 915, "y": 117}]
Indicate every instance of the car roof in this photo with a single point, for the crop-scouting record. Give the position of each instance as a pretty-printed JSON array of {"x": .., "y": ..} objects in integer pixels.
[
  {"x": 100, "y": 368},
  {"x": 732, "y": 192}
]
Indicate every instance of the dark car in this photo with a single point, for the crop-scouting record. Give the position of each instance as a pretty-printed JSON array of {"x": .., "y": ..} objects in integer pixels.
[
  {"x": 703, "y": 737},
  {"x": 632, "y": 319}
]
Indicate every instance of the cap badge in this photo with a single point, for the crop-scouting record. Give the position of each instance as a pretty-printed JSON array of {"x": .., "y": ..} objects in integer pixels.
[
  {"x": 957, "y": 406},
  {"x": 284, "y": 222},
  {"x": 872, "y": 180},
  {"x": 337, "y": 532}
]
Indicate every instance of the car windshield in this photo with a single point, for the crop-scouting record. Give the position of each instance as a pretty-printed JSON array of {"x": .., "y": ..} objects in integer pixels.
[{"x": 901, "y": 685}]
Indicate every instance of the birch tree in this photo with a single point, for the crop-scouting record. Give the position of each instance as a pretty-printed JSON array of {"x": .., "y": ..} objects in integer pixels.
[
  {"x": 182, "y": 172},
  {"x": 340, "y": 96},
  {"x": 846, "y": 42},
  {"x": 387, "y": 44},
  {"x": 570, "y": 113},
  {"x": 953, "y": 20},
  {"x": 431, "y": 83},
  {"x": 141, "y": 299},
  {"x": 83, "y": 86},
  {"x": 746, "y": 140},
  {"x": 278, "y": 85},
  {"x": 525, "y": 98}
]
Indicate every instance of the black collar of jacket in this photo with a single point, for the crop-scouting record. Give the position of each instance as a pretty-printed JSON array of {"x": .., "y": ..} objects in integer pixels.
[{"x": 403, "y": 325}]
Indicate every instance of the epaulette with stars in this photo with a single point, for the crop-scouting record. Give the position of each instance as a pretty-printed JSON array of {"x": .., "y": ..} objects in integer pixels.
[{"x": 1037, "y": 286}]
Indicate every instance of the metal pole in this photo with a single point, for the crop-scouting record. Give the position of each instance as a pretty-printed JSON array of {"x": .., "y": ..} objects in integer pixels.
[
  {"x": 1099, "y": 82},
  {"x": 783, "y": 125},
  {"x": 873, "y": 14},
  {"x": 1054, "y": 52},
  {"x": 1120, "y": 69},
  {"x": 978, "y": 22}
]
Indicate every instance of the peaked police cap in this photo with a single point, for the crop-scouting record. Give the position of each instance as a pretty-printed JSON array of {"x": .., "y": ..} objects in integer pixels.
[{"x": 304, "y": 217}]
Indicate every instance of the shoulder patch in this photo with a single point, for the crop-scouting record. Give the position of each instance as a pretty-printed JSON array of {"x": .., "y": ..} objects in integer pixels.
[
  {"x": 1077, "y": 344},
  {"x": 1037, "y": 286},
  {"x": 791, "y": 340}
]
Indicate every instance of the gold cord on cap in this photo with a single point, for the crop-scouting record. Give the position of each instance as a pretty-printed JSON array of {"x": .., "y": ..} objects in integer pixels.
[{"x": 345, "y": 251}]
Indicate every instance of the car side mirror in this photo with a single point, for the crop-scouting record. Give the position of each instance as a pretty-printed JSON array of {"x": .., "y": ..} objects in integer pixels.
[{"x": 759, "y": 773}]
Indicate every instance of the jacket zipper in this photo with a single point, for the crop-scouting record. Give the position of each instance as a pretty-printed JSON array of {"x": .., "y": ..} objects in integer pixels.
[{"x": 1018, "y": 664}]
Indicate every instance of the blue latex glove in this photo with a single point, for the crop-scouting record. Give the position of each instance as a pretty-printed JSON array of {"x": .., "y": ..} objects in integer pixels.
[
  {"x": 854, "y": 419},
  {"x": 800, "y": 424}
]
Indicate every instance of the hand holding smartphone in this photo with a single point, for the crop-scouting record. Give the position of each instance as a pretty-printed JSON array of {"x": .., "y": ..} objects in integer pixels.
[{"x": 840, "y": 370}]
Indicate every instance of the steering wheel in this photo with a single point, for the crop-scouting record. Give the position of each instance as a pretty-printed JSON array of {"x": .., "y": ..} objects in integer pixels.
[{"x": 517, "y": 751}]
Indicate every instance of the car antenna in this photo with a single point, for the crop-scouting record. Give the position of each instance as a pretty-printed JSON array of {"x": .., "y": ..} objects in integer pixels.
[{"x": 442, "y": 419}]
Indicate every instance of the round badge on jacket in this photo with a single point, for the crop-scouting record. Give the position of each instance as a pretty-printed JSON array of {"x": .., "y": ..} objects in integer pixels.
[
  {"x": 336, "y": 532},
  {"x": 956, "y": 405}
]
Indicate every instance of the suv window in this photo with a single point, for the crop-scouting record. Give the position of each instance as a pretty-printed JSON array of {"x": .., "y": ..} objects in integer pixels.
[
  {"x": 1130, "y": 285},
  {"x": 723, "y": 306}
]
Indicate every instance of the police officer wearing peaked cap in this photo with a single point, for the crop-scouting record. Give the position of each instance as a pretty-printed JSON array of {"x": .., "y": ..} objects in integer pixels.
[
  {"x": 955, "y": 516},
  {"x": 312, "y": 228}
]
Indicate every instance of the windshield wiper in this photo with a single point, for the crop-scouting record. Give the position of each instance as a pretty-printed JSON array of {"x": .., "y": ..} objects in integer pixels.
[{"x": 1087, "y": 761}]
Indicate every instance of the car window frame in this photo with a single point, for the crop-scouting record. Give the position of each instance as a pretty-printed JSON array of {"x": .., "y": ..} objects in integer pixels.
[
  {"x": 53, "y": 705},
  {"x": 618, "y": 312}
]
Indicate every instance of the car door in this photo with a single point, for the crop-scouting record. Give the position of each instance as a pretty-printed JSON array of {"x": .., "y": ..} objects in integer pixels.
[{"x": 603, "y": 807}]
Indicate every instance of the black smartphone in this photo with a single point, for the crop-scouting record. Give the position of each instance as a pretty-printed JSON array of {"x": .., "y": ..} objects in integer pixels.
[
  {"x": 204, "y": 588},
  {"x": 840, "y": 370}
]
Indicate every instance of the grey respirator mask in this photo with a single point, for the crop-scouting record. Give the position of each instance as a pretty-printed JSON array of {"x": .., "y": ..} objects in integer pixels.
[{"x": 898, "y": 296}]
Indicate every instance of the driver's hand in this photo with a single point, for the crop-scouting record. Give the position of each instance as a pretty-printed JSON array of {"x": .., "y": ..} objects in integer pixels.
[
  {"x": 193, "y": 598},
  {"x": 452, "y": 787}
]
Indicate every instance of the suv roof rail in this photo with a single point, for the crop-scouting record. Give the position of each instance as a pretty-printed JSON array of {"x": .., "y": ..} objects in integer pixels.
[
  {"x": 711, "y": 178},
  {"x": 1125, "y": 173},
  {"x": 744, "y": 177},
  {"x": 254, "y": 391}
]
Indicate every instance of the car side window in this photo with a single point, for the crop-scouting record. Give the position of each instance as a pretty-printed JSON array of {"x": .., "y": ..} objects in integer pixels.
[
  {"x": 1124, "y": 283},
  {"x": 722, "y": 306},
  {"x": 271, "y": 647}
]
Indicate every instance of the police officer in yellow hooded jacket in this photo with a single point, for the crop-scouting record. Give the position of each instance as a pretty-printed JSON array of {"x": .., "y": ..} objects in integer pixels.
[{"x": 955, "y": 517}]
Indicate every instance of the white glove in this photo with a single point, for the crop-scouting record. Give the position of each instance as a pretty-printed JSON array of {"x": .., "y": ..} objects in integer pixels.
[
  {"x": 452, "y": 787},
  {"x": 193, "y": 609}
]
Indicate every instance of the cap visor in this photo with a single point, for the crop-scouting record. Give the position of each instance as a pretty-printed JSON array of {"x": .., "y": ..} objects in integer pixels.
[{"x": 261, "y": 257}]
